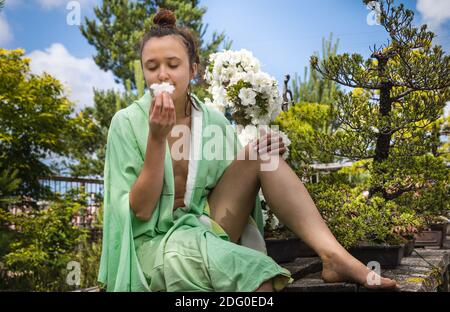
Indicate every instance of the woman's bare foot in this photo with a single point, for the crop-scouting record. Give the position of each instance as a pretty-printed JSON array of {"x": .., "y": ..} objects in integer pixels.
[{"x": 345, "y": 268}]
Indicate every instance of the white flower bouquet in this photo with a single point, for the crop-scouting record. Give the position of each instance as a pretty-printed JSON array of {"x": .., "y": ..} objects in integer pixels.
[{"x": 237, "y": 83}]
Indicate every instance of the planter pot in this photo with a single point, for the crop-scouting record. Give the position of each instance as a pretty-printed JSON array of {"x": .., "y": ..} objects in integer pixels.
[
  {"x": 409, "y": 247},
  {"x": 288, "y": 249},
  {"x": 305, "y": 250},
  {"x": 443, "y": 227},
  {"x": 283, "y": 250},
  {"x": 387, "y": 256},
  {"x": 428, "y": 238}
]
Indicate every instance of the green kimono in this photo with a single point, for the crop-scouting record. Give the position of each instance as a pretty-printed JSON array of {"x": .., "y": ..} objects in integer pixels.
[{"x": 181, "y": 250}]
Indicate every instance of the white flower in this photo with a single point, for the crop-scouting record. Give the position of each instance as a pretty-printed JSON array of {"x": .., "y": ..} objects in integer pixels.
[
  {"x": 247, "y": 96},
  {"x": 265, "y": 216},
  {"x": 214, "y": 105},
  {"x": 247, "y": 134},
  {"x": 274, "y": 223},
  {"x": 158, "y": 88},
  {"x": 235, "y": 81}
]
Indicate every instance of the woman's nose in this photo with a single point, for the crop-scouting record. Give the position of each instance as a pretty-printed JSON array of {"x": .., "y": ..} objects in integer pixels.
[{"x": 163, "y": 75}]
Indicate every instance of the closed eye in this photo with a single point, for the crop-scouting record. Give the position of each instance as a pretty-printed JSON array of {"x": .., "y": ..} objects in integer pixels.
[{"x": 154, "y": 68}]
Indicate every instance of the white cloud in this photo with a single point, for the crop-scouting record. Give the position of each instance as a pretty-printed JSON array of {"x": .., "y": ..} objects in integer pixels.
[
  {"x": 5, "y": 31},
  {"x": 79, "y": 75},
  {"x": 434, "y": 12}
]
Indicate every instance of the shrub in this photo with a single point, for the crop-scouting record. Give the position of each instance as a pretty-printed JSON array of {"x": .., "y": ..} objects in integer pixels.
[
  {"x": 46, "y": 240},
  {"x": 354, "y": 218}
]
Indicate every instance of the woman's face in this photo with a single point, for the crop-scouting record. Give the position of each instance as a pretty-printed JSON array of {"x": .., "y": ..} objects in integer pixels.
[{"x": 165, "y": 59}]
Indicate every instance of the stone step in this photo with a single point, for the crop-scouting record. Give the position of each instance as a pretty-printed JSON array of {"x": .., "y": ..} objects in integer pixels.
[
  {"x": 301, "y": 267},
  {"x": 314, "y": 283},
  {"x": 426, "y": 270}
]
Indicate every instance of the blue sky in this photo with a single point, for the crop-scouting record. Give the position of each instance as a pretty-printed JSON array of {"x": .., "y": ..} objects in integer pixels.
[{"x": 283, "y": 34}]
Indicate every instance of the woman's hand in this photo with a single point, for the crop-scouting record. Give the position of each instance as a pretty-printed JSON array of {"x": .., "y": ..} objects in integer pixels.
[
  {"x": 270, "y": 143},
  {"x": 162, "y": 117}
]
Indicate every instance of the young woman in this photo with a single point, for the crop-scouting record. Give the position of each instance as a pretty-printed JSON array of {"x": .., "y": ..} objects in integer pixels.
[{"x": 193, "y": 224}]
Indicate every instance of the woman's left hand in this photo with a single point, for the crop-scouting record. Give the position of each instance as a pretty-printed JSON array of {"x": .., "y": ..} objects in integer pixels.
[{"x": 270, "y": 143}]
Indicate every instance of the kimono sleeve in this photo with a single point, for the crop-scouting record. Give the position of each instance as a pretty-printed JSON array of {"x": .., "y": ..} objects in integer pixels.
[{"x": 119, "y": 266}]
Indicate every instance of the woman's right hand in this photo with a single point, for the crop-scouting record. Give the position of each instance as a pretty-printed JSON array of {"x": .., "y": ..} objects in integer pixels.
[{"x": 162, "y": 117}]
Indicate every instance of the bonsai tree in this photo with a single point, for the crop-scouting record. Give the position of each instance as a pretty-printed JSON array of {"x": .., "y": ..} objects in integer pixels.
[
  {"x": 398, "y": 93},
  {"x": 353, "y": 219}
]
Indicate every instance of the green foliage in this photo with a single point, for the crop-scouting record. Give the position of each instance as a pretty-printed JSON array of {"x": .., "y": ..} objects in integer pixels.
[
  {"x": 35, "y": 122},
  {"x": 301, "y": 123},
  {"x": 431, "y": 198},
  {"x": 8, "y": 185},
  {"x": 392, "y": 114},
  {"x": 119, "y": 26},
  {"x": 45, "y": 242},
  {"x": 355, "y": 219},
  {"x": 88, "y": 255},
  {"x": 315, "y": 89}
]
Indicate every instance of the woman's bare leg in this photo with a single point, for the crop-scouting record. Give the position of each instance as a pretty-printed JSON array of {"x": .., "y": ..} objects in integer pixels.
[
  {"x": 233, "y": 199},
  {"x": 267, "y": 286}
]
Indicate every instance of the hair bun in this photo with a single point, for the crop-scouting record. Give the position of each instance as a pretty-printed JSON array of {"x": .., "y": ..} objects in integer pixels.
[{"x": 165, "y": 18}]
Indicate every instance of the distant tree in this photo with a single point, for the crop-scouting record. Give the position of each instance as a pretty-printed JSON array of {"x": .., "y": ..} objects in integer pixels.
[
  {"x": 36, "y": 122},
  {"x": 314, "y": 88}
]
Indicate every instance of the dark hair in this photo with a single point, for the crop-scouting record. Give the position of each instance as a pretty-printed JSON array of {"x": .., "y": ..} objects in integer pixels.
[{"x": 164, "y": 24}]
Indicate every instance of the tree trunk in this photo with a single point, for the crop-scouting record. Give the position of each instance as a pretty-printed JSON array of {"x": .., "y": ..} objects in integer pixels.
[{"x": 384, "y": 136}]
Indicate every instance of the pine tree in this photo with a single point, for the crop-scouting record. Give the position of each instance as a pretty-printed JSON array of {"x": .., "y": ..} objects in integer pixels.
[
  {"x": 315, "y": 89},
  {"x": 399, "y": 92}
]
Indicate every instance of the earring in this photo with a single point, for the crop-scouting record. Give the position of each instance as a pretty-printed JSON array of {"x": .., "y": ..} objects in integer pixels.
[{"x": 188, "y": 100}]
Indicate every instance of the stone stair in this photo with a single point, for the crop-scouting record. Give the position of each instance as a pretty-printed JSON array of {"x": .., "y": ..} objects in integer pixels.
[{"x": 426, "y": 270}]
